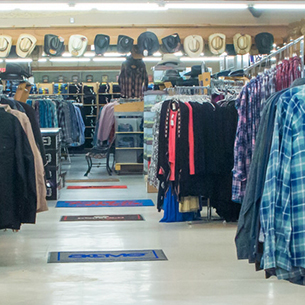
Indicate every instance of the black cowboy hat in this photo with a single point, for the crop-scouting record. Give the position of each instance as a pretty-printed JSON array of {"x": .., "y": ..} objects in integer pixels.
[
  {"x": 148, "y": 43},
  {"x": 171, "y": 43},
  {"x": 101, "y": 43},
  {"x": 124, "y": 44},
  {"x": 264, "y": 42},
  {"x": 53, "y": 45},
  {"x": 195, "y": 71}
]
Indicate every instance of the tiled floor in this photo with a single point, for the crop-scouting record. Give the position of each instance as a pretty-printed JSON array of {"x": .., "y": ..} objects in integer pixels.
[{"x": 202, "y": 266}]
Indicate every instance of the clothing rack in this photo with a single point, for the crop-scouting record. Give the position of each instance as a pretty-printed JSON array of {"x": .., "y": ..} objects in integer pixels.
[
  {"x": 293, "y": 43},
  {"x": 188, "y": 90}
]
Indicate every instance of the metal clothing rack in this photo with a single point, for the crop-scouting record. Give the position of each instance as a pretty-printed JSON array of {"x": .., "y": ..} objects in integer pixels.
[
  {"x": 268, "y": 58},
  {"x": 188, "y": 90}
]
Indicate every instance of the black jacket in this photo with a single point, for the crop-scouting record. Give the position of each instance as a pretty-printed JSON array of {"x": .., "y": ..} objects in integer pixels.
[
  {"x": 17, "y": 175},
  {"x": 31, "y": 114}
]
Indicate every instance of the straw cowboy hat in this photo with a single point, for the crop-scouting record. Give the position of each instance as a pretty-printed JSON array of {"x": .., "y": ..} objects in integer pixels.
[
  {"x": 25, "y": 45},
  {"x": 217, "y": 43},
  {"x": 169, "y": 60},
  {"x": 77, "y": 45},
  {"x": 242, "y": 43},
  {"x": 5, "y": 45},
  {"x": 193, "y": 45}
]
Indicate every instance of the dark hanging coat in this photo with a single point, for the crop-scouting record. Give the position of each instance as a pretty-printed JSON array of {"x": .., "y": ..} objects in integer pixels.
[{"x": 18, "y": 201}]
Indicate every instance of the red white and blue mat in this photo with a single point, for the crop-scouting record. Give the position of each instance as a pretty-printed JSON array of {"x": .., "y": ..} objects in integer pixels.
[{"x": 104, "y": 203}]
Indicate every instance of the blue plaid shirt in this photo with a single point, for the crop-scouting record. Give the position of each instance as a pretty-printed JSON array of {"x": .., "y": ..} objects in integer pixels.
[{"x": 282, "y": 212}]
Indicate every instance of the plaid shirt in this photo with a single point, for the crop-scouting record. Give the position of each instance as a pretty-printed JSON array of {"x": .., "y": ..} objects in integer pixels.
[
  {"x": 132, "y": 78},
  {"x": 248, "y": 108},
  {"x": 282, "y": 212}
]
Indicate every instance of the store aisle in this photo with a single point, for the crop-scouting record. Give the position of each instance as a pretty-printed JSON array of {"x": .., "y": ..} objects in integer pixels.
[{"x": 201, "y": 269}]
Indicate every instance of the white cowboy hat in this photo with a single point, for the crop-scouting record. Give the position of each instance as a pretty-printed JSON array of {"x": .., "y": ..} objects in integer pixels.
[
  {"x": 77, "y": 45},
  {"x": 5, "y": 45},
  {"x": 193, "y": 45},
  {"x": 217, "y": 43},
  {"x": 169, "y": 60},
  {"x": 242, "y": 43},
  {"x": 25, "y": 45}
]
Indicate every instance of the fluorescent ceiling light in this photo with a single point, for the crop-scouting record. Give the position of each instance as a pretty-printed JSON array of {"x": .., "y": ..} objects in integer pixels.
[
  {"x": 113, "y": 54},
  {"x": 66, "y": 54},
  {"x": 42, "y": 60},
  {"x": 70, "y": 59},
  {"x": 189, "y": 59},
  {"x": 19, "y": 60},
  {"x": 217, "y": 6},
  {"x": 157, "y": 54},
  {"x": 178, "y": 53},
  {"x": 150, "y": 59},
  {"x": 30, "y": 6},
  {"x": 120, "y": 6},
  {"x": 278, "y": 6},
  {"x": 109, "y": 59},
  {"x": 89, "y": 54}
]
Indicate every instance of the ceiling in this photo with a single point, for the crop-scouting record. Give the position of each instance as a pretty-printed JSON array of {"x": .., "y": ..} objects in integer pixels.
[{"x": 166, "y": 18}]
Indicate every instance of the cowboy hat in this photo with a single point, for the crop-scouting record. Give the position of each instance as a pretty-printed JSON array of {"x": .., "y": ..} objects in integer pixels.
[
  {"x": 171, "y": 43},
  {"x": 5, "y": 45},
  {"x": 242, "y": 43},
  {"x": 169, "y": 60},
  {"x": 264, "y": 42},
  {"x": 77, "y": 45},
  {"x": 217, "y": 43},
  {"x": 195, "y": 71},
  {"x": 148, "y": 43},
  {"x": 193, "y": 45},
  {"x": 101, "y": 43},
  {"x": 25, "y": 45},
  {"x": 124, "y": 44},
  {"x": 53, "y": 45}
]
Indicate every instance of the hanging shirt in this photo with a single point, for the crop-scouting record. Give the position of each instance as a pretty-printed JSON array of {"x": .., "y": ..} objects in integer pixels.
[
  {"x": 172, "y": 143},
  {"x": 282, "y": 211}
]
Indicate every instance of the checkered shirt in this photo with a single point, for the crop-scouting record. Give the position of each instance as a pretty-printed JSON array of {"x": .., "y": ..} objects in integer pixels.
[{"x": 282, "y": 211}]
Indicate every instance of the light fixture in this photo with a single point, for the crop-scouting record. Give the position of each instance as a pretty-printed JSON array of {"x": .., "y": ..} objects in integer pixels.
[
  {"x": 42, "y": 60},
  {"x": 19, "y": 60},
  {"x": 212, "y": 6},
  {"x": 157, "y": 54},
  {"x": 89, "y": 54},
  {"x": 109, "y": 59},
  {"x": 178, "y": 53},
  {"x": 75, "y": 59},
  {"x": 152, "y": 59},
  {"x": 279, "y": 6},
  {"x": 198, "y": 59},
  {"x": 113, "y": 54},
  {"x": 66, "y": 54},
  {"x": 30, "y": 6},
  {"x": 120, "y": 6}
]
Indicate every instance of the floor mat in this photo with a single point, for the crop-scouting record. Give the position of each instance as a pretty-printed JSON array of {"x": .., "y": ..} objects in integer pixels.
[
  {"x": 134, "y": 217},
  {"x": 96, "y": 187},
  {"x": 104, "y": 203},
  {"x": 106, "y": 256},
  {"x": 92, "y": 180}
]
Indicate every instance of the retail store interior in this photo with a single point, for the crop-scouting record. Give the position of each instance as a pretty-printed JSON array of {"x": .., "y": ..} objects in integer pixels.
[{"x": 152, "y": 152}]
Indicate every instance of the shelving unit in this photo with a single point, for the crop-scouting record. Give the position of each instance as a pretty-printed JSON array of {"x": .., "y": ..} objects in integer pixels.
[
  {"x": 95, "y": 104},
  {"x": 129, "y": 144}
]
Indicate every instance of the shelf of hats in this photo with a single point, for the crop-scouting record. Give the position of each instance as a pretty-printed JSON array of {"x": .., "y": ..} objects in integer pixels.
[{"x": 94, "y": 68}]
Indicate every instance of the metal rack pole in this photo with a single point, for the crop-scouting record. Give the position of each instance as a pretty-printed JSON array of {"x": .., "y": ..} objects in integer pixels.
[{"x": 281, "y": 50}]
